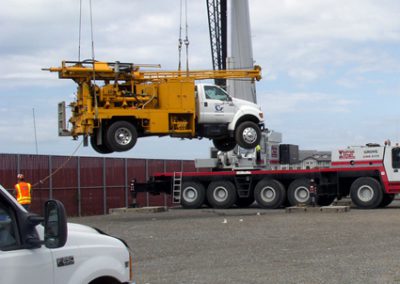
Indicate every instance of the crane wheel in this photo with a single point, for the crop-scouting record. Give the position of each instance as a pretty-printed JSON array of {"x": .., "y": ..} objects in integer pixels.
[
  {"x": 299, "y": 192},
  {"x": 221, "y": 194},
  {"x": 193, "y": 195},
  {"x": 366, "y": 193},
  {"x": 270, "y": 194}
]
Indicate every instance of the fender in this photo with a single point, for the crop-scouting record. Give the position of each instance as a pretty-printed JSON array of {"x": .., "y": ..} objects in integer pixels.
[
  {"x": 248, "y": 111},
  {"x": 92, "y": 255},
  {"x": 106, "y": 266}
]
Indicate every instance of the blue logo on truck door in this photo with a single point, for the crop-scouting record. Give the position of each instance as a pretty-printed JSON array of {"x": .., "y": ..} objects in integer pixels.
[{"x": 219, "y": 108}]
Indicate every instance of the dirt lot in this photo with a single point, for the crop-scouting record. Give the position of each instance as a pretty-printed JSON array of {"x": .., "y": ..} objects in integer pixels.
[{"x": 260, "y": 246}]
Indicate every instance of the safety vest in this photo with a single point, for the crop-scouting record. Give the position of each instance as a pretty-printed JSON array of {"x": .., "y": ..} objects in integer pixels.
[{"x": 23, "y": 192}]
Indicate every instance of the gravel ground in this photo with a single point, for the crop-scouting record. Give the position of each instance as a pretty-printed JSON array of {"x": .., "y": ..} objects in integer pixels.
[{"x": 260, "y": 246}]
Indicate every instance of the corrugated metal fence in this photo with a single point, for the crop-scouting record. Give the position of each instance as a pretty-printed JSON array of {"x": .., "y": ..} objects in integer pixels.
[{"x": 86, "y": 185}]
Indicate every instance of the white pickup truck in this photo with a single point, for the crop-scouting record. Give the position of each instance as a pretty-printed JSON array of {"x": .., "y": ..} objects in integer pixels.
[
  {"x": 226, "y": 120},
  {"x": 57, "y": 252}
]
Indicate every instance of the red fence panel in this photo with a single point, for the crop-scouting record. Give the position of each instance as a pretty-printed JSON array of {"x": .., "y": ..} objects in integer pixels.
[
  {"x": 92, "y": 191},
  {"x": 116, "y": 182},
  {"x": 65, "y": 182},
  {"x": 86, "y": 185},
  {"x": 8, "y": 170}
]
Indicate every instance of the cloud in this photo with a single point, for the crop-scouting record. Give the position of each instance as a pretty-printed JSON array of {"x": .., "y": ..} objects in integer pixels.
[
  {"x": 281, "y": 103},
  {"x": 327, "y": 65}
]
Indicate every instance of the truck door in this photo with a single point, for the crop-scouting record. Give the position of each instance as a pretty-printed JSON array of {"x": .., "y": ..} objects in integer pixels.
[
  {"x": 19, "y": 265},
  {"x": 393, "y": 168},
  {"x": 215, "y": 106}
]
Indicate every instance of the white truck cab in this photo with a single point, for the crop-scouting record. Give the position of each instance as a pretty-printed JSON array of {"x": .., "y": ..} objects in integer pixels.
[
  {"x": 226, "y": 120},
  {"x": 57, "y": 252},
  {"x": 371, "y": 155}
]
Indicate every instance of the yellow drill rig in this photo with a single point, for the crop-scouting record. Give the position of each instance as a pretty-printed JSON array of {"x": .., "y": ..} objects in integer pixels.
[{"x": 118, "y": 102}]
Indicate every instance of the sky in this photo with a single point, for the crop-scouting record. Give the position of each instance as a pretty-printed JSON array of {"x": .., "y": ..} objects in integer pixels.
[{"x": 331, "y": 68}]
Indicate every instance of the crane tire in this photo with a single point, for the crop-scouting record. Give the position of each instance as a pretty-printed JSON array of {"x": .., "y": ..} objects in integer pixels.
[
  {"x": 193, "y": 195},
  {"x": 299, "y": 192},
  {"x": 270, "y": 193},
  {"x": 366, "y": 193},
  {"x": 221, "y": 194}
]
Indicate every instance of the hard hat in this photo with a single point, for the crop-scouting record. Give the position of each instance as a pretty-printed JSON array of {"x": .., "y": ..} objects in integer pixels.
[{"x": 20, "y": 176}]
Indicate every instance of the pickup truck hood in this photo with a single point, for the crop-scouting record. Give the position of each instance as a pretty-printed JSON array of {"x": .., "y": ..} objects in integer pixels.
[
  {"x": 246, "y": 103},
  {"x": 84, "y": 235},
  {"x": 78, "y": 228}
]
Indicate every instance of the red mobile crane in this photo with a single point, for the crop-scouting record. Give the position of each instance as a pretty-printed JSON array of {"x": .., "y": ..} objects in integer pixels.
[{"x": 369, "y": 174}]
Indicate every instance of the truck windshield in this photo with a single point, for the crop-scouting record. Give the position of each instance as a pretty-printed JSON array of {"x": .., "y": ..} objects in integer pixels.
[
  {"x": 215, "y": 93},
  {"x": 396, "y": 158}
]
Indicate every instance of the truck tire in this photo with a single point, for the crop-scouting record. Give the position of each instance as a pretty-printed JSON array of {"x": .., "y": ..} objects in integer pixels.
[
  {"x": 386, "y": 200},
  {"x": 299, "y": 192},
  {"x": 193, "y": 195},
  {"x": 366, "y": 193},
  {"x": 221, "y": 194},
  {"x": 102, "y": 149},
  {"x": 270, "y": 193},
  {"x": 121, "y": 136},
  {"x": 248, "y": 135},
  {"x": 224, "y": 144}
]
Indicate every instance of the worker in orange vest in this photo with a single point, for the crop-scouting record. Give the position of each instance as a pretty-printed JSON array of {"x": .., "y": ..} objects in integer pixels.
[{"x": 23, "y": 192}]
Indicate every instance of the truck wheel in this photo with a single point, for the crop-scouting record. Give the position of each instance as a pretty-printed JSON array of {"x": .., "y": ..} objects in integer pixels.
[
  {"x": 224, "y": 144},
  {"x": 221, "y": 194},
  {"x": 299, "y": 192},
  {"x": 193, "y": 195},
  {"x": 386, "y": 200},
  {"x": 366, "y": 193},
  {"x": 248, "y": 135},
  {"x": 102, "y": 149},
  {"x": 270, "y": 194},
  {"x": 121, "y": 136}
]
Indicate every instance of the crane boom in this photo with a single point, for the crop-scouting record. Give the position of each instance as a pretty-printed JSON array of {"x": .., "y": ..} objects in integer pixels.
[{"x": 217, "y": 25}]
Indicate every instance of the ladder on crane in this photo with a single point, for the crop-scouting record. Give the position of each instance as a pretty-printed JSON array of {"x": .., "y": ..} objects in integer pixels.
[{"x": 177, "y": 188}]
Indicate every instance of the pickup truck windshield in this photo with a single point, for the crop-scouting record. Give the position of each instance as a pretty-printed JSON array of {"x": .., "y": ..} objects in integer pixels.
[{"x": 215, "y": 93}]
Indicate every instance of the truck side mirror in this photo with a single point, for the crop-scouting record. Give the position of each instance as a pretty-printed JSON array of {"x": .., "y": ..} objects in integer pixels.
[{"x": 55, "y": 224}]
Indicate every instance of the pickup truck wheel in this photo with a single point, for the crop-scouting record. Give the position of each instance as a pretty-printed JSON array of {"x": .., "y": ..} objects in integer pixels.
[
  {"x": 221, "y": 194},
  {"x": 386, "y": 200},
  {"x": 193, "y": 195},
  {"x": 224, "y": 144},
  {"x": 366, "y": 193},
  {"x": 121, "y": 136},
  {"x": 270, "y": 194},
  {"x": 299, "y": 192},
  {"x": 102, "y": 149},
  {"x": 248, "y": 135}
]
